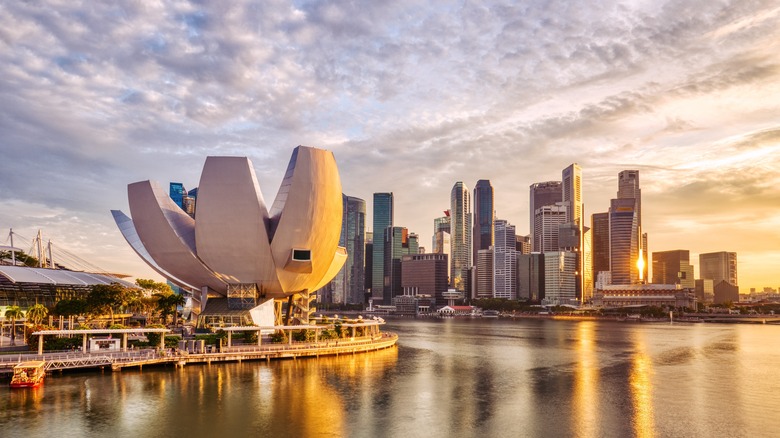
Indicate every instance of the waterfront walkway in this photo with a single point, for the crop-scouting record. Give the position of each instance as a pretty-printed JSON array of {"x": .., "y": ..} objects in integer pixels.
[{"x": 236, "y": 353}]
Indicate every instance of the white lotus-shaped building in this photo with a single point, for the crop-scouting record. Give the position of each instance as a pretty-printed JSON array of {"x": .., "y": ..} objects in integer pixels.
[{"x": 236, "y": 248}]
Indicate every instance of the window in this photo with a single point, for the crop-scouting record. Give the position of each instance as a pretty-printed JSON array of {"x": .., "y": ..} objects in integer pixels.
[{"x": 301, "y": 254}]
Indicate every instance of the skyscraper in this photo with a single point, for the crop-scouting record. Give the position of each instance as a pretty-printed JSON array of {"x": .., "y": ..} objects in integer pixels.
[
  {"x": 560, "y": 277},
  {"x": 530, "y": 276},
  {"x": 398, "y": 242},
  {"x": 440, "y": 224},
  {"x": 572, "y": 193},
  {"x": 628, "y": 188},
  {"x": 460, "y": 214},
  {"x": 484, "y": 273},
  {"x": 383, "y": 218},
  {"x": 547, "y": 222},
  {"x": 484, "y": 215},
  {"x": 504, "y": 261},
  {"x": 673, "y": 267},
  {"x": 349, "y": 282},
  {"x": 623, "y": 242},
  {"x": 719, "y": 266},
  {"x": 177, "y": 193},
  {"x": 600, "y": 243},
  {"x": 542, "y": 194}
]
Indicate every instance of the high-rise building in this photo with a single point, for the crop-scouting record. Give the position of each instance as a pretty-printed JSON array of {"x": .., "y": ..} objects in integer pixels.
[
  {"x": 504, "y": 261},
  {"x": 348, "y": 284},
  {"x": 600, "y": 243},
  {"x": 398, "y": 243},
  {"x": 571, "y": 183},
  {"x": 440, "y": 224},
  {"x": 425, "y": 274},
  {"x": 673, "y": 267},
  {"x": 587, "y": 266},
  {"x": 705, "y": 290},
  {"x": 719, "y": 266},
  {"x": 523, "y": 244},
  {"x": 560, "y": 277},
  {"x": 542, "y": 194},
  {"x": 460, "y": 214},
  {"x": 484, "y": 273},
  {"x": 484, "y": 215},
  {"x": 369, "y": 269},
  {"x": 177, "y": 193},
  {"x": 383, "y": 218},
  {"x": 547, "y": 222},
  {"x": 623, "y": 242},
  {"x": 444, "y": 246},
  {"x": 628, "y": 188},
  {"x": 530, "y": 276}
]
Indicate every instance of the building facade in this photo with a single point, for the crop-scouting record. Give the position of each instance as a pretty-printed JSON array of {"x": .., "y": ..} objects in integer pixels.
[
  {"x": 542, "y": 194},
  {"x": 349, "y": 283},
  {"x": 600, "y": 243},
  {"x": 673, "y": 267},
  {"x": 632, "y": 295},
  {"x": 547, "y": 222},
  {"x": 504, "y": 261},
  {"x": 383, "y": 218},
  {"x": 719, "y": 266},
  {"x": 484, "y": 216},
  {"x": 484, "y": 274},
  {"x": 460, "y": 214},
  {"x": 398, "y": 243},
  {"x": 560, "y": 278},
  {"x": 623, "y": 242},
  {"x": 628, "y": 188},
  {"x": 530, "y": 276},
  {"x": 425, "y": 274}
]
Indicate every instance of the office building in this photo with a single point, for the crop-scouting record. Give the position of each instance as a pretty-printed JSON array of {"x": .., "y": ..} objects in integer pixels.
[
  {"x": 705, "y": 290},
  {"x": 484, "y": 274},
  {"x": 460, "y": 235},
  {"x": 398, "y": 242},
  {"x": 635, "y": 295},
  {"x": 628, "y": 188},
  {"x": 440, "y": 224},
  {"x": 425, "y": 274},
  {"x": 725, "y": 292},
  {"x": 523, "y": 244},
  {"x": 542, "y": 194},
  {"x": 444, "y": 246},
  {"x": 623, "y": 242},
  {"x": 560, "y": 278},
  {"x": 719, "y": 266},
  {"x": 673, "y": 267},
  {"x": 383, "y": 218},
  {"x": 348, "y": 285},
  {"x": 369, "y": 268},
  {"x": 504, "y": 261},
  {"x": 547, "y": 222},
  {"x": 484, "y": 215},
  {"x": 530, "y": 276}
]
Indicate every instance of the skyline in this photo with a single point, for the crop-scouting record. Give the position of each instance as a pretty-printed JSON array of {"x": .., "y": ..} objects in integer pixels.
[{"x": 411, "y": 98}]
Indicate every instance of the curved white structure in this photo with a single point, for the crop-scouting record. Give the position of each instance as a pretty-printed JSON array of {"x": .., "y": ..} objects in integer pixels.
[{"x": 234, "y": 240}]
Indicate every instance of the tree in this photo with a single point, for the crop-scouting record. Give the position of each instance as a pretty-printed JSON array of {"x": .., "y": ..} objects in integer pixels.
[
  {"x": 153, "y": 286},
  {"x": 14, "y": 313},
  {"x": 167, "y": 305},
  {"x": 104, "y": 298},
  {"x": 70, "y": 307},
  {"x": 37, "y": 313}
]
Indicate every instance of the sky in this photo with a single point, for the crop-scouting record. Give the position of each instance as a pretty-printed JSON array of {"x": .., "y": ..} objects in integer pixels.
[{"x": 411, "y": 96}]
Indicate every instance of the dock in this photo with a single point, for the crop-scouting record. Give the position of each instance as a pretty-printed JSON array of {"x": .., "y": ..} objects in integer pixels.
[{"x": 116, "y": 361}]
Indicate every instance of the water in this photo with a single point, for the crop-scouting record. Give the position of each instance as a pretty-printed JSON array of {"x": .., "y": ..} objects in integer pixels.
[{"x": 452, "y": 377}]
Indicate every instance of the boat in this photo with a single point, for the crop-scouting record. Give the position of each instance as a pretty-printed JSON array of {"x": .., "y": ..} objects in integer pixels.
[
  {"x": 490, "y": 314},
  {"x": 28, "y": 374}
]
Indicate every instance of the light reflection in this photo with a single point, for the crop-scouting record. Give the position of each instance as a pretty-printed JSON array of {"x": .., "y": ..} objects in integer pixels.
[
  {"x": 641, "y": 387},
  {"x": 586, "y": 381}
]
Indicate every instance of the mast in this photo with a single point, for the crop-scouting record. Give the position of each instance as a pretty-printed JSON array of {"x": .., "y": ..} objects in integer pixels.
[
  {"x": 40, "y": 249},
  {"x": 13, "y": 253},
  {"x": 51, "y": 259}
]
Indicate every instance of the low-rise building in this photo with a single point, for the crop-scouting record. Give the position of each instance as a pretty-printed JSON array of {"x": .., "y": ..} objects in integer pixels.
[{"x": 626, "y": 295}]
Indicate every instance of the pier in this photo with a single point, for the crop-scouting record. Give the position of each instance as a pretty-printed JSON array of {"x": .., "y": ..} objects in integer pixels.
[{"x": 116, "y": 361}]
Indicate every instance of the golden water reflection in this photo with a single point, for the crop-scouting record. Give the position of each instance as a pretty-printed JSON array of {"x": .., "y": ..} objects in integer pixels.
[
  {"x": 586, "y": 382},
  {"x": 640, "y": 384}
]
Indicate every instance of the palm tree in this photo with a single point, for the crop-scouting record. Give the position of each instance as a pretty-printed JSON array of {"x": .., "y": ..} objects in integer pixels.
[
  {"x": 167, "y": 304},
  {"x": 37, "y": 313},
  {"x": 13, "y": 312}
]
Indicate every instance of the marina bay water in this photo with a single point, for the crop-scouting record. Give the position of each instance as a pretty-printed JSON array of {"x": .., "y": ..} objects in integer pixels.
[{"x": 447, "y": 377}]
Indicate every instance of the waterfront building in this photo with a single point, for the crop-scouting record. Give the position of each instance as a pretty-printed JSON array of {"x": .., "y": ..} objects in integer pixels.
[
  {"x": 634, "y": 295},
  {"x": 719, "y": 266},
  {"x": 571, "y": 187},
  {"x": 504, "y": 261},
  {"x": 348, "y": 285},
  {"x": 425, "y": 274},
  {"x": 673, "y": 267},
  {"x": 484, "y": 216},
  {"x": 460, "y": 213},
  {"x": 484, "y": 274},
  {"x": 397, "y": 243},
  {"x": 547, "y": 222},
  {"x": 542, "y": 194},
  {"x": 369, "y": 267},
  {"x": 560, "y": 278},
  {"x": 587, "y": 265},
  {"x": 530, "y": 276},
  {"x": 383, "y": 218},
  {"x": 444, "y": 246},
  {"x": 246, "y": 255},
  {"x": 623, "y": 241},
  {"x": 628, "y": 188},
  {"x": 705, "y": 290},
  {"x": 600, "y": 243}
]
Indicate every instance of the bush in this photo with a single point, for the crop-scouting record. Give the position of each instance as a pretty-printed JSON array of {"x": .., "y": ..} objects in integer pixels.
[{"x": 279, "y": 337}]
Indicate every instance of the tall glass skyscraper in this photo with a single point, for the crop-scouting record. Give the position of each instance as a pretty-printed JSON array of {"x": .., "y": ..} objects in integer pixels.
[
  {"x": 623, "y": 241},
  {"x": 460, "y": 236},
  {"x": 600, "y": 243},
  {"x": 628, "y": 188},
  {"x": 542, "y": 194},
  {"x": 504, "y": 261},
  {"x": 484, "y": 216},
  {"x": 177, "y": 193},
  {"x": 383, "y": 218},
  {"x": 398, "y": 242},
  {"x": 349, "y": 282}
]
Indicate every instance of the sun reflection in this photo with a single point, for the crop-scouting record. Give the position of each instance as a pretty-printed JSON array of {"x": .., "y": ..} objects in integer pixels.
[
  {"x": 640, "y": 383},
  {"x": 586, "y": 376}
]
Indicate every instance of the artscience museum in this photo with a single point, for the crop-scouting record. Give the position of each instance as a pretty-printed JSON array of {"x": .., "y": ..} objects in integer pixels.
[{"x": 241, "y": 260}]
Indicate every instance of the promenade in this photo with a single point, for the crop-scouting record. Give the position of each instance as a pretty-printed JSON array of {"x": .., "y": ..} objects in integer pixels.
[{"x": 118, "y": 360}]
